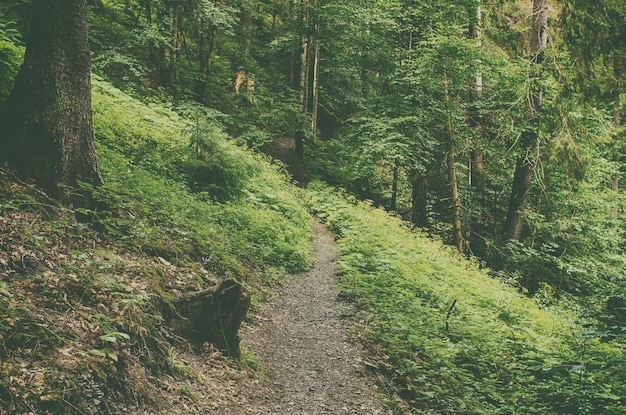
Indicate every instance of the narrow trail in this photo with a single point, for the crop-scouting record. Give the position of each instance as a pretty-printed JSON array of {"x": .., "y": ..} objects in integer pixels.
[{"x": 314, "y": 367}]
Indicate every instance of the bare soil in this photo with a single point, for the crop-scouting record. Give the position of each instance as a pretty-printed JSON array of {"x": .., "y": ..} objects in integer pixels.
[{"x": 302, "y": 339}]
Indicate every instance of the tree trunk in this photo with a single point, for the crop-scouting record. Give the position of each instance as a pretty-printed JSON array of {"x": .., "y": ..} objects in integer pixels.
[
  {"x": 176, "y": 18},
  {"x": 419, "y": 213},
  {"x": 539, "y": 31},
  {"x": 206, "y": 44},
  {"x": 246, "y": 26},
  {"x": 164, "y": 51},
  {"x": 304, "y": 81},
  {"x": 454, "y": 189},
  {"x": 477, "y": 172},
  {"x": 316, "y": 80},
  {"x": 519, "y": 199},
  {"x": 47, "y": 121},
  {"x": 456, "y": 204},
  {"x": 524, "y": 166},
  {"x": 394, "y": 185},
  {"x": 476, "y": 164},
  {"x": 213, "y": 315}
]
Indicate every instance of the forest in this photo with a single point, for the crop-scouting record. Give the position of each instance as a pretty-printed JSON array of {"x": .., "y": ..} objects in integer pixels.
[{"x": 467, "y": 155}]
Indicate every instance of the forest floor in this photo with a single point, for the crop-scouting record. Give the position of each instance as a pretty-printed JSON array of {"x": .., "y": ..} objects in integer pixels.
[
  {"x": 299, "y": 355},
  {"x": 308, "y": 361}
]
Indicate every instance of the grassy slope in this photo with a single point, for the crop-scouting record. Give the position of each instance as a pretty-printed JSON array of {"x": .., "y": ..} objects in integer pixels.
[
  {"x": 455, "y": 340},
  {"x": 80, "y": 301}
]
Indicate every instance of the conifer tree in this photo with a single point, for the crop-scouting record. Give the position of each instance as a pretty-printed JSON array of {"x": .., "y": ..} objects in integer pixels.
[{"x": 47, "y": 120}]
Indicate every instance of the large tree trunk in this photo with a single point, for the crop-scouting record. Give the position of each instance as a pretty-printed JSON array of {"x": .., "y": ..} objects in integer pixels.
[
  {"x": 519, "y": 199},
  {"x": 524, "y": 167},
  {"x": 47, "y": 121}
]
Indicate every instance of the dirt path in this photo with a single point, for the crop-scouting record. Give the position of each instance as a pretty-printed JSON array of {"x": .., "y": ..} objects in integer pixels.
[
  {"x": 313, "y": 367},
  {"x": 302, "y": 338}
]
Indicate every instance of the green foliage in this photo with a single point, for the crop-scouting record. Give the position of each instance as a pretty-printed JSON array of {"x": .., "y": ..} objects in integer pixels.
[
  {"x": 170, "y": 211},
  {"x": 147, "y": 237},
  {"x": 455, "y": 340},
  {"x": 11, "y": 56}
]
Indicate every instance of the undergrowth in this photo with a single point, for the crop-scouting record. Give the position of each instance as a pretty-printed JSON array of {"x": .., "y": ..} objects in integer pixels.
[
  {"x": 82, "y": 291},
  {"x": 456, "y": 341}
]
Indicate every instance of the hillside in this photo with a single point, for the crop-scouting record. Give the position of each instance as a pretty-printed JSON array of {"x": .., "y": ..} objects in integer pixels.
[
  {"x": 169, "y": 170},
  {"x": 86, "y": 293},
  {"x": 455, "y": 338}
]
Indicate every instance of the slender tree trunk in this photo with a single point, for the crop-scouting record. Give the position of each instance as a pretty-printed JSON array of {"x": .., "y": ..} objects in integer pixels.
[
  {"x": 316, "y": 81},
  {"x": 419, "y": 194},
  {"x": 176, "y": 18},
  {"x": 522, "y": 178},
  {"x": 304, "y": 80},
  {"x": 246, "y": 25},
  {"x": 206, "y": 43},
  {"x": 477, "y": 168},
  {"x": 454, "y": 189},
  {"x": 292, "y": 61},
  {"x": 165, "y": 51},
  {"x": 394, "y": 185},
  {"x": 456, "y": 204},
  {"x": 47, "y": 131},
  {"x": 304, "y": 61}
]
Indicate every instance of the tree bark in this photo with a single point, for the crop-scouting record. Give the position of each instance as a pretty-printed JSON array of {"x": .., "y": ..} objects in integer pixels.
[
  {"x": 419, "y": 213},
  {"x": 316, "y": 79},
  {"x": 519, "y": 198},
  {"x": 213, "y": 315},
  {"x": 176, "y": 19},
  {"x": 47, "y": 120},
  {"x": 539, "y": 30},
  {"x": 304, "y": 80},
  {"x": 454, "y": 188},
  {"x": 246, "y": 25},
  {"x": 477, "y": 168},
  {"x": 522, "y": 177},
  {"x": 394, "y": 185}
]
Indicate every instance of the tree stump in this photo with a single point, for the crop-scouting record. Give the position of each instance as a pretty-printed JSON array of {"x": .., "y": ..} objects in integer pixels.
[{"x": 213, "y": 315}]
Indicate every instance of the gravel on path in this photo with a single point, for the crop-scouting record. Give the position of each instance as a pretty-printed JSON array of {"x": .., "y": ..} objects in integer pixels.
[{"x": 302, "y": 338}]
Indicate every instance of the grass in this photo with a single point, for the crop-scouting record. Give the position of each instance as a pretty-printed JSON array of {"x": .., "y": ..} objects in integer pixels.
[
  {"x": 455, "y": 340},
  {"x": 82, "y": 291}
]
